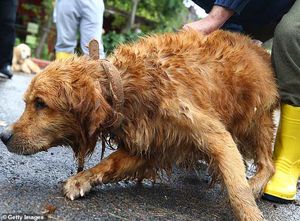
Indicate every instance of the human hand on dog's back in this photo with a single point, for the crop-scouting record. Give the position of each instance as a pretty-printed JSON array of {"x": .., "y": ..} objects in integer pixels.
[{"x": 213, "y": 21}]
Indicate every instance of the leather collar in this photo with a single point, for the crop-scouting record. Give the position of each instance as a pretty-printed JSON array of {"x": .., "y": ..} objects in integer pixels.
[{"x": 115, "y": 86}]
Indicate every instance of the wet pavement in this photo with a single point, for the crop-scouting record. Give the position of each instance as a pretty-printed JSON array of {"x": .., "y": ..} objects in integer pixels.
[{"x": 31, "y": 184}]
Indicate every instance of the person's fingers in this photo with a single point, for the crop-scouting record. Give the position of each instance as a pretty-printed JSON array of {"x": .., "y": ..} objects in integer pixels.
[
  {"x": 186, "y": 27},
  {"x": 258, "y": 42}
]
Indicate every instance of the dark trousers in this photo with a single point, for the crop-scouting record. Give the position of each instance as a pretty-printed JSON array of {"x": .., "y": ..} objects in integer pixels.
[
  {"x": 8, "y": 10},
  {"x": 286, "y": 56},
  {"x": 285, "y": 52}
]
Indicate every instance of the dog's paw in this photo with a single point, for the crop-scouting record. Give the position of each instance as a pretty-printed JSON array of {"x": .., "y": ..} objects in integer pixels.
[{"x": 77, "y": 186}]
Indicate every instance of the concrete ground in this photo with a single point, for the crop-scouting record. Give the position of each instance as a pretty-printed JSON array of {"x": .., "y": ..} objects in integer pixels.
[{"x": 32, "y": 184}]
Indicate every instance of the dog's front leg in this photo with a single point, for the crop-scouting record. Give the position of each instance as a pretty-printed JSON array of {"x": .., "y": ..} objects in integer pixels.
[
  {"x": 115, "y": 167},
  {"x": 25, "y": 68}
]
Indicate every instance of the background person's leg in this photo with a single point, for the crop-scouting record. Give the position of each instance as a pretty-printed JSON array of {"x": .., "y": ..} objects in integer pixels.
[
  {"x": 67, "y": 22},
  {"x": 286, "y": 56},
  {"x": 286, "y": 61},
  {"x": 7, "y": 34},
  {"x": 91, "y": 24}
]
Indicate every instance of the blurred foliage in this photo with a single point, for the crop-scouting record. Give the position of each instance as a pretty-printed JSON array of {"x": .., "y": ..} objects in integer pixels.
[
  {"x": 38, "y": 14},
  {"x": 167, "y": 14},
  {"x": 17, "y": 41},
  {"x": 112, "y": 39}
]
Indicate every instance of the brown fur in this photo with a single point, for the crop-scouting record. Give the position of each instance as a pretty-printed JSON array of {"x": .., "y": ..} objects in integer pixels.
[{"x": 187, "y": 97}]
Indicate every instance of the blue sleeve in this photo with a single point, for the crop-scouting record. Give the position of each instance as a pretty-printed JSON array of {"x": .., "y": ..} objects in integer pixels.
[{"x": 235, "y": 5}]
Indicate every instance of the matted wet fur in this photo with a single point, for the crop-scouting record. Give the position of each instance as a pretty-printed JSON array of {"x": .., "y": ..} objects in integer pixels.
[{"x": 186, "y": 97}]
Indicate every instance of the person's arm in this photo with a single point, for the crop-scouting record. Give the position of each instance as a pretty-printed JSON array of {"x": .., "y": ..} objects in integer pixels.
[
  {"x": 220, "y": 13},
  {"x": 235, "y": 5},
  {"x": 213, "y": 21}
]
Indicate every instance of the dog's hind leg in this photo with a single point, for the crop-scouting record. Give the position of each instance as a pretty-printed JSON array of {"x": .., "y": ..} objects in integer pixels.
[
  {"x": 262, "y": 137},
  {"x": 217, "y": 143},
  {"x": 117, "y": 166}
]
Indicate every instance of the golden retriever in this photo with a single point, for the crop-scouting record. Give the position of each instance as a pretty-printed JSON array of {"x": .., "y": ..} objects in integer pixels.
[
  {"x": 167, "y": 99},
  {"x": 22, "y": 60}
]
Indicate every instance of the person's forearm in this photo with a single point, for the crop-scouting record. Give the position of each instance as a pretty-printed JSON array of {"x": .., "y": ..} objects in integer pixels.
[
  {"x": 213, "y": 21},
  {"x": 220, "y": 15}
]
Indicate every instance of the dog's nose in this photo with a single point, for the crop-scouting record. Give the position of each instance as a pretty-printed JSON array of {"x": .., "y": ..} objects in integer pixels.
[{"x": 6, "y": 135}]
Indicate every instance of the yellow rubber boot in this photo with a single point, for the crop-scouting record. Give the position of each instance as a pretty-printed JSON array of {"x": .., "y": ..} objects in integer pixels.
[
  {"x": 62, "y": 55},
  {"x": 282, "y": 187}
]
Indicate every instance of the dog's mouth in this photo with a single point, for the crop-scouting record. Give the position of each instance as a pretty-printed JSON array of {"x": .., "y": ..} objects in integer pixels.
[
  {"x": 23, "y": 147},
  {"x": 24, "y": 150}
]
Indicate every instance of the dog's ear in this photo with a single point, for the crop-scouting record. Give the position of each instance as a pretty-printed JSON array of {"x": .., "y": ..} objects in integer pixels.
[
  {"x": 84, "y": 99},
  {"x": 97, "y": 110}
]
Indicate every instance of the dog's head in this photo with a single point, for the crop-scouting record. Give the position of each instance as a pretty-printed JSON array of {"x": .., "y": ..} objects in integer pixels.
[
  {"x": 65, "y": 105},
  {"x": 22, "y": 52}
]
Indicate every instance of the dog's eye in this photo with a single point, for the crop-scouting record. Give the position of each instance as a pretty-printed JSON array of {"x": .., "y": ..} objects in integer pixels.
[{"x": 39, "y": 104}]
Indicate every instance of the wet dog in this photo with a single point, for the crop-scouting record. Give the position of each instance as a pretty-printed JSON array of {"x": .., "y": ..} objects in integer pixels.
[{"x": 166, "y": 99}]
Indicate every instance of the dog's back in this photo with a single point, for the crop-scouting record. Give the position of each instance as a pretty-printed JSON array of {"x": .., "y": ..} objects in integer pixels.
[{"x": 170, "y": 76}]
